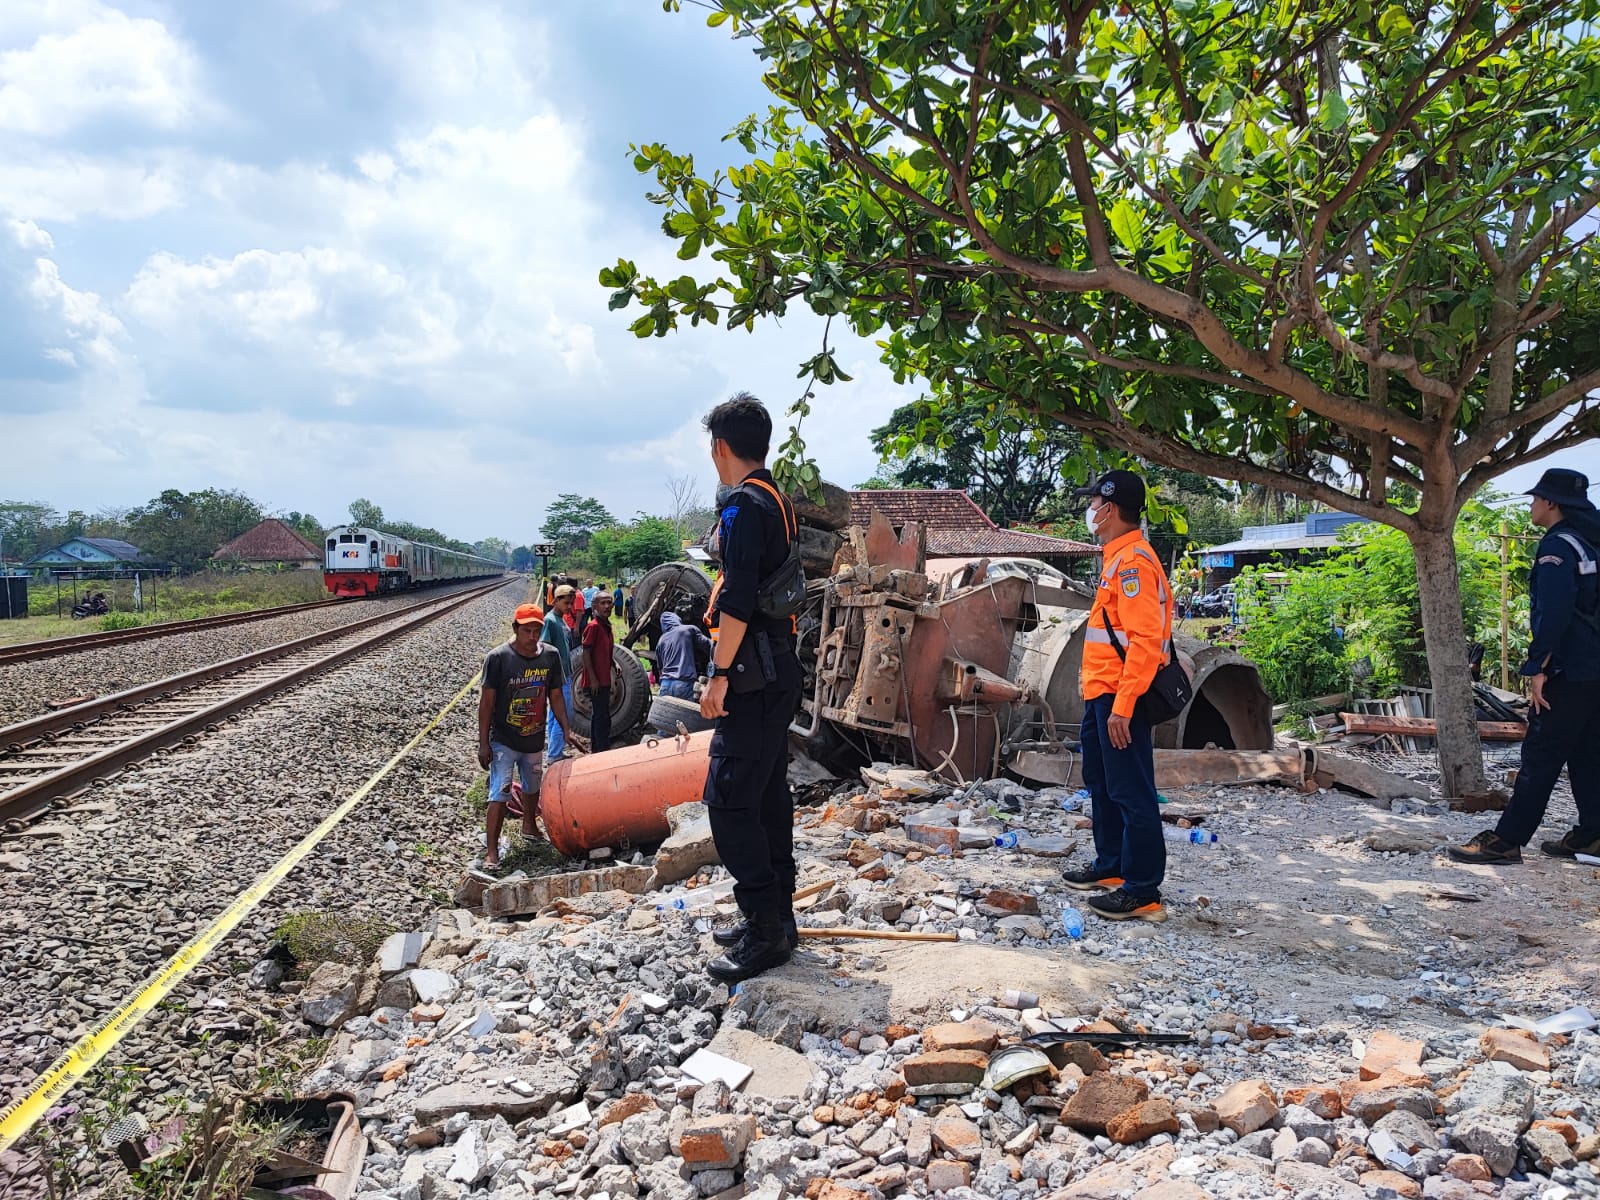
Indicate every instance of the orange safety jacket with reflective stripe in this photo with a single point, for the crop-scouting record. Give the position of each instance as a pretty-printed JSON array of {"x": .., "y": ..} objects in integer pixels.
[{"x": 1133, "y": 592}]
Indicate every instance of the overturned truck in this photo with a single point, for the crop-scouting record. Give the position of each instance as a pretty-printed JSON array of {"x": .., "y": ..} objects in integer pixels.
[{"x": 961, "y": 667}]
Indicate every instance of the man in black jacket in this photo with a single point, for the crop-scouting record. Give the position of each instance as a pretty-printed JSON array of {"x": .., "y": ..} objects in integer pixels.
[
  {"x": 753, "y": 691},
  {"x": 1563, "y": 673}
]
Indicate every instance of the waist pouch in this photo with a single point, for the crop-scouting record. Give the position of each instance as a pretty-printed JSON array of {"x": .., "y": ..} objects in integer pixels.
[
  {"x": 753, "y": 666},
  {"x": 1169, "y": 692}
]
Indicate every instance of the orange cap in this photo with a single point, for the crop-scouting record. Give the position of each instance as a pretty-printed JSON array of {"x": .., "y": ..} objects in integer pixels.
[{"x": 528, "y": 614}]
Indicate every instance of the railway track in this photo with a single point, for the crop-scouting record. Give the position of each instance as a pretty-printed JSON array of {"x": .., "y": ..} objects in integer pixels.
[
  {"x": 51, "y": 647},
  {"x": 57, "y": 754}
]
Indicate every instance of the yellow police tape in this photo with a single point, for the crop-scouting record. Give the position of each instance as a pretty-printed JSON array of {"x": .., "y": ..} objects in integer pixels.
[{"x": 16, "y": 1119}]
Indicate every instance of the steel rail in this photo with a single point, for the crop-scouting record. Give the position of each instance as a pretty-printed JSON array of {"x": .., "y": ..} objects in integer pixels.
[
  {"x": 33, "y": 796},
  {"x": 52, "y": 647}
]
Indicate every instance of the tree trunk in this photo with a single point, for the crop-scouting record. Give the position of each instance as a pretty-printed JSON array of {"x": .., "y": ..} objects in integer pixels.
[{"x": 1439, "y": 588}]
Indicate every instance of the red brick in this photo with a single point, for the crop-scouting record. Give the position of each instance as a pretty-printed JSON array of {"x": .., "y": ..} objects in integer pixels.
[
  {"x": 716, "y": 1141},
  {"x": 1142, "y": 1122},
  {"x": 958, "y": 1137},
  {"x": 1324, "y": 1101},
  {"x": 1100, "y": 1099},
  {"x": 630, "y": 1105},
  {"x": 1002, "y": 901},
  {"x": 1387, "y": 1050},
  {"x": 1515, "y": 1047},
  {"x": 1400, "y": 1185},
  {"x": 945, "y": 1066},
  {"x": 1247, "y": 1106},
  {"x": 976, "y": 1034}
]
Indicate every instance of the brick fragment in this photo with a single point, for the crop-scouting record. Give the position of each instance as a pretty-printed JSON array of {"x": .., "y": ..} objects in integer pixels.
[
  {"x": 1521, "y": 1050},
  {"x": 630, "y": 1105},
  {"x": 1100, "y": 1099},
  {"x": 1325, "y": 1102},
  {"x": 945, "y": 1176},
  {"x": 1247, "y": 1106},
  {"x": 1000, "y": 902},
  {"x": 1400, "y": 1185},
  {"x": 710, "y": 1143},
  {"x": 1142, "y": 1122},
  {"x": 1469, "y": 1167},
  {"x": 944, "y": 1066},
  {"x": 957, "y": 1137},
  {"x": 1386, "y": 1050},
  {"x": 976, "y": 1034}
]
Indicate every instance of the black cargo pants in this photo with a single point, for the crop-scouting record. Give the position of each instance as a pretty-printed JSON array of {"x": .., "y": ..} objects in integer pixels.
[
  {"x": 747, "y": 789},
  {"x": 1567, "y": 734}
]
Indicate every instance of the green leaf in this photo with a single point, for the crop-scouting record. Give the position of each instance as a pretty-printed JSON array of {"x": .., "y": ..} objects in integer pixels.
[
  {"x": 1127, "y": 225},
  {"x": 1333, "y": 112},
  {"x": 1394, "y": 23},
  {"x": 716, "y": 18}
]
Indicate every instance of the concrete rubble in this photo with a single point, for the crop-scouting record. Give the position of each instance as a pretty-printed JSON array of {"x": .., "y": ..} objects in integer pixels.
[{"x": 580, "y": 1050}]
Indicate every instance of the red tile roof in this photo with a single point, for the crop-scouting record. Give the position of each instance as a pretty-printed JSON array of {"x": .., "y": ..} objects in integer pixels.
[
  {"x": 270, "y": 541},
  {"x": 957, "y": 527}
]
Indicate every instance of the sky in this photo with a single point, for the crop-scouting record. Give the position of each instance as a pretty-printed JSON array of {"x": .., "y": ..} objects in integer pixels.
[{"x": 318, "y": 250}]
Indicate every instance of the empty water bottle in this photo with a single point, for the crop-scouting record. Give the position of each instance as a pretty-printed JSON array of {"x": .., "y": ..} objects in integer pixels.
[
  {"x": 1072, "y": 922},
  {"x": 1202, "y": 837},
  {"x": 1007, "y": 840}
]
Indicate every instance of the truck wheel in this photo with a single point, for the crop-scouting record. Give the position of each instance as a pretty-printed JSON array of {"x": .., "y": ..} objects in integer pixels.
[
  {"x": 630, "y": 691},
  {"x": 667, "y": 711}
]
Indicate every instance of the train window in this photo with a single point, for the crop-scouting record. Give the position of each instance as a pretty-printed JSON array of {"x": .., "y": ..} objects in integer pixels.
[
  {"x": 332, "y": 542},
  {"x": 345, "y": 537},
  {"x": 361, "y": 539}
]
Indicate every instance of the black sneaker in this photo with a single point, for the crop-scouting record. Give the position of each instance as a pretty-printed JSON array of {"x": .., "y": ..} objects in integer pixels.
[
  {"x": 1487, "y": 847},
  {"x": 732, "y": 935},
  {"x": 1573, "y": 842},
  {"x": 1120, "y": 906},
  {"x": 765, "y": 946},
  {"x": 1087, "y": 879}
]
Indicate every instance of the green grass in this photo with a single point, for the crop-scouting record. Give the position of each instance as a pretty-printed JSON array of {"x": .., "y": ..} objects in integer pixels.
[
  {"x": 208, "y": 594},
  {"x": 316, "y": 937}
]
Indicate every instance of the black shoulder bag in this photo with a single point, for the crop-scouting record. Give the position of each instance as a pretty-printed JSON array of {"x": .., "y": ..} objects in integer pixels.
[
  {"x": 1169, "y": 692},
  {"x": 782, "y": 594}
]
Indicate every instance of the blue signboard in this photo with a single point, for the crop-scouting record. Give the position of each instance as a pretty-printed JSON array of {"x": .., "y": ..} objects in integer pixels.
[{"x": 1217, "y": 560}]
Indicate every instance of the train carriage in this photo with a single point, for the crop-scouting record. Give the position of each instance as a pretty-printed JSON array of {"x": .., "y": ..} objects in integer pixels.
[{"x": 362, "y": 561}]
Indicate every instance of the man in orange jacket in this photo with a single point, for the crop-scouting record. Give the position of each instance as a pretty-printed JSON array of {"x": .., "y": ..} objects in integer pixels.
[{"x": 1126, "y": 641}]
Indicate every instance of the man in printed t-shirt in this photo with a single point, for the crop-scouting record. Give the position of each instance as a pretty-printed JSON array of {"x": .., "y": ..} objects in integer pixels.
[{"x": 521, "y": 680}]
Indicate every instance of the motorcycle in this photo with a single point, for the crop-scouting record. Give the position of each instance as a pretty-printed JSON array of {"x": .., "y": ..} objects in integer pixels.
[{"x": 95, "y": 606}]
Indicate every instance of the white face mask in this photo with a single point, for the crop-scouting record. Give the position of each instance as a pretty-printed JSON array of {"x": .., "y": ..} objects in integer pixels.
[{"x": 1091, "y": 518}]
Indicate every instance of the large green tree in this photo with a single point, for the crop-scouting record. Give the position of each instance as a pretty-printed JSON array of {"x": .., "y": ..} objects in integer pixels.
[
  {"x": 1009, "y": 464},
  {"x": 571, "y": 520},
  {"x": 185, "y": 528},
  {"x": 1237, "y": 239}
]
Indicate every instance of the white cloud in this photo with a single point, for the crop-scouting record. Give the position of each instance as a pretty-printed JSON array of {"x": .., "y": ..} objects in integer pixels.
[
  {"x": 91, "y": 331},
  {"x": 71, "y": 187},
  {"x": 71, "y": 63}
]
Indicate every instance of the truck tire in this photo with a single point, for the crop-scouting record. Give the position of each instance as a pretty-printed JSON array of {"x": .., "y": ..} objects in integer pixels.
[
  {"x": 667, "y": 711},
  {"x": 630, "y": 690},
  {"x": 684, "y": 577}
]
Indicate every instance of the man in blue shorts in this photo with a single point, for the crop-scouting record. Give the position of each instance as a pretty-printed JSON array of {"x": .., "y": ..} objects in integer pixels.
[{"x": 521, "y": 680}]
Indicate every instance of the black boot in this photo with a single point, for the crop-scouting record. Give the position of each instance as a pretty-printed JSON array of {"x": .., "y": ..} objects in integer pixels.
[
  {"x": 732, "y": 935},
  {"x": 765, "y": 945}
]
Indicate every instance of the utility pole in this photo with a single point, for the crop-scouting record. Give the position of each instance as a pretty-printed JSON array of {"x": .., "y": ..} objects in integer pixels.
[{"x": 1505, "y": 605}]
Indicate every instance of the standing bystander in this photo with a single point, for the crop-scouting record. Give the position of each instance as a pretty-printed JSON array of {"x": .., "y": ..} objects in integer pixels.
[
  {"x": 1132, "y": 609},
  {"x": 753, "y": 691},
  {"x": 1563, "y": 674},
  {"x": 558, "y": 635},
  {"x": 521, "y": 681},
  {"x": 594, "y": 671}
]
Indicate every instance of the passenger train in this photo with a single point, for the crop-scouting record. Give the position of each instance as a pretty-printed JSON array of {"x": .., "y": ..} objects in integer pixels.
[{"x": 359, "y": 561}]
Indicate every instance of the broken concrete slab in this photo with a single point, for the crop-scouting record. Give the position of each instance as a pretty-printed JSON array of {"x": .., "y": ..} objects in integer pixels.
[
  {"x": 776, "y": 1072},
  {"x": 401, "y": 951},
  {"x": 521, "y": 897},
  {"x": 689, "y": 846},
  {"x": 329, "y": 997},
  {"x": 545, "y": 1084}
]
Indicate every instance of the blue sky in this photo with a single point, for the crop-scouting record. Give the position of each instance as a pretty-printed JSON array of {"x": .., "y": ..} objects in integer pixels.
[{"x": 317, "y": 250}]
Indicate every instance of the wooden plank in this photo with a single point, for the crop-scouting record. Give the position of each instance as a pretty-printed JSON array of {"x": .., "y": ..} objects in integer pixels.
[
  {"x": 1179, "y": 768},
  {"x": 1489, "y": 731},
  {"x": 1317, "y": 704}
]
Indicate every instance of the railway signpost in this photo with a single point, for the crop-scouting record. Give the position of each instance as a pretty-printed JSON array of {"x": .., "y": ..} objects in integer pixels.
[{"x": 544, "y": 550}]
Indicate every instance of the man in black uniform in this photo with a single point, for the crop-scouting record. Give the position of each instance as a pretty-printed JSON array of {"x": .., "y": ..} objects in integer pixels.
[
  {"x": 753, "y": 691},
  {"x": 1563, "y": 671}
]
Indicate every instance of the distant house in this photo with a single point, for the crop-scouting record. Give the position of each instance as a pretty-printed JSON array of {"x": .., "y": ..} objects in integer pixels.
[
  {"x": 107, "y": 553},
  {"x": 958, "y": 528},
  {"x": 270, "y": 544},
  {"x": 1298, "y": 540}
]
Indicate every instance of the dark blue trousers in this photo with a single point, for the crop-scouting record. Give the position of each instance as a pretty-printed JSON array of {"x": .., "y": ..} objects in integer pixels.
[
  {"x": 1127, "y": 813},
  {"x": 1567, "y": 734}
]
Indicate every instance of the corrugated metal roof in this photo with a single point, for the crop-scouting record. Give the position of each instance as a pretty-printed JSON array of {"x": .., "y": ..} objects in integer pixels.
[
  {"x": 957, "y": 527},
  {"x": 1324, "y": 541}
]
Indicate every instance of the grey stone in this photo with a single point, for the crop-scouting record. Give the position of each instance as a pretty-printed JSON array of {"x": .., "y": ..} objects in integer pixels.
[
  {"x": 1490, "y": 1135},
  {"x": 709, "y": 1183},
  {"x": 1307, "y": 1181},
  {"x": 400, "y": 951},
  {"x": 1283, "y": 1144},
  {"x": 644, "y": 1139},
  {"x": 1313, "y": 1150},
  {"x": 1306, "y": 1124},
  {"x": 548, "y": 1083},
  {"x": 329, "y": 997},
  {"x": 467, "y": 1166},
  {"x": 266, "y": 974},
  {"x": 433, "y": 987},
  {"x": 1548, "y": 1150},
  {"x": 1410, "y": 1132},
  {"x": 665, "y": 1181},
  {"x": 1494, "y": 1087},
  {"x": 1258, "y": 1143}
]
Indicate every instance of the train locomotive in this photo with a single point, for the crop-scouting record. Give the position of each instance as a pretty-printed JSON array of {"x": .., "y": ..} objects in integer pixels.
[{"x": 360, "y": 561}]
